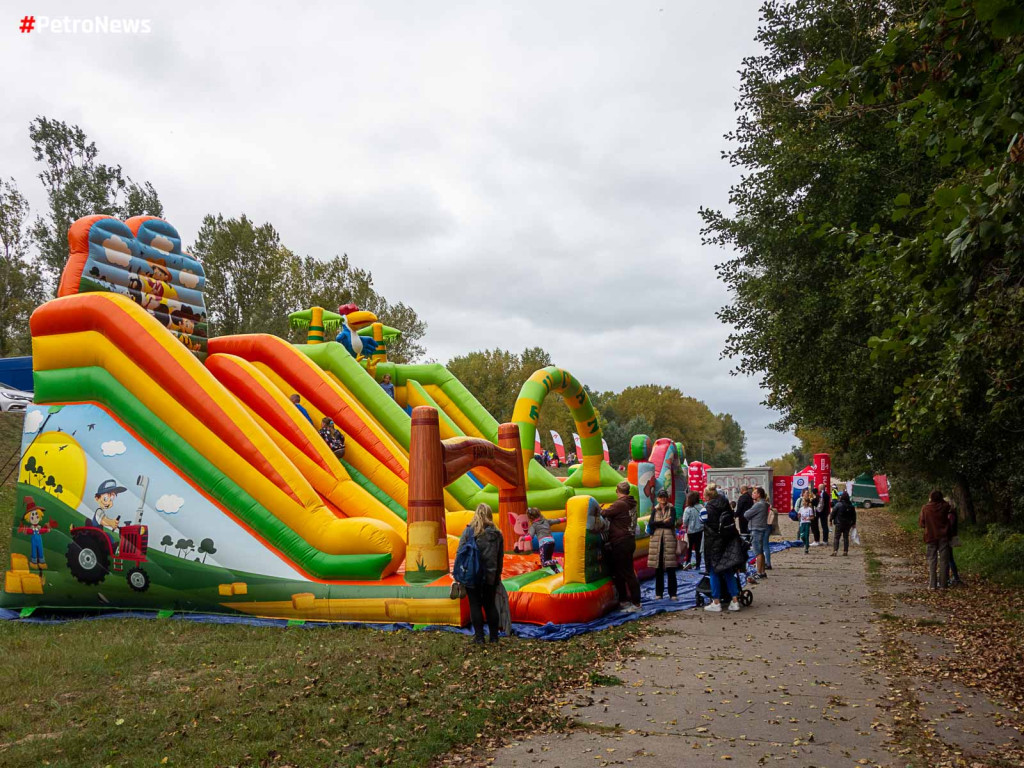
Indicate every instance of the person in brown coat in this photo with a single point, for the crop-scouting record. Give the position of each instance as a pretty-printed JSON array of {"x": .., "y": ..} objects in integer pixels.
[
  {"x": 621, "y": 517},
  {"x": 936, "y": 519},
  {"x": 662, "y": 554}
]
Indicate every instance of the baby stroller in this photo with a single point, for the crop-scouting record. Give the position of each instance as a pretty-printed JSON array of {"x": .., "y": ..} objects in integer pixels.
[{"x": 746, "y": 597}]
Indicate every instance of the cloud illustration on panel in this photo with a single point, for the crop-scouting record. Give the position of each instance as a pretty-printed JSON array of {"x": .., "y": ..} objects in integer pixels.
[
  {"x": 112, "y": 448},
  {"x": 169, "y": 504},
  {"x": 33, "y": 421},
  {"x": 117, "y": 252},
  {"x": 188, "y": 278}
]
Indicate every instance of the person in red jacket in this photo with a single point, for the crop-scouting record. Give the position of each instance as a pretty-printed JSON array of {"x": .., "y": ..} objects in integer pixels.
[
  {"x": 621, "y": 517},
  {"x": 937, "y": 520}
]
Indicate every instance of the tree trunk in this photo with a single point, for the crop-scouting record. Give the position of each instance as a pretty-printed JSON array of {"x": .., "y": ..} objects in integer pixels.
[{"x": 962, "y": 492}]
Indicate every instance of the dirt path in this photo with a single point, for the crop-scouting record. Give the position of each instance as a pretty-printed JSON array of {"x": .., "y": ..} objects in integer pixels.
[
  {"x": 841, "y": 661},
  {"x": 785, "y": 682}
]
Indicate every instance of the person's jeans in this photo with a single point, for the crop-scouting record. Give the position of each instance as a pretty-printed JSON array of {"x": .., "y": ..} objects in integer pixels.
[
  {"x": 621, "y": 566},
  {"x": 767, "y": 547},
  {"x": 938, "y": 555},
  {"x": 952, "y": 565},
  {"x": 805, "y": 535},
  {"x": 842, "y": 530},
  {"x": 482, "y": 597},
  {"x": 757, "y": 541},
  {"x": 717, "y": 579},
  {"x": 815, "y": 532},
  {"x": 696, "y": 540},
  {"x": 824, "y": 526}
]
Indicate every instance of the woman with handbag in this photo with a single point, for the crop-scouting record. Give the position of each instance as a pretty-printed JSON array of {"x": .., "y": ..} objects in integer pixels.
[{"x": 724, "y": 550}]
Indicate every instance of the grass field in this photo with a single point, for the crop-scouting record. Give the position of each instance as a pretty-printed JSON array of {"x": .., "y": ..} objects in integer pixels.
[
  {"x": 991, "y": 551},
  {"x": 147, "y": 692}
]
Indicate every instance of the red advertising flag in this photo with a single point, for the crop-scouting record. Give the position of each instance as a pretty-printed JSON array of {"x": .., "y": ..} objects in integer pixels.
[
  {"x": 697, "y": 475},
  {"x": 579, "y": 447},
  {"x": 882, "y": 486},
  {"x": 537, "y": 448},
  {"x": 607, "y": 456},
  {"x": 559, "y": 447},
  {"x": 782, "y": 493},
  {"x": 823, "y": 470}
]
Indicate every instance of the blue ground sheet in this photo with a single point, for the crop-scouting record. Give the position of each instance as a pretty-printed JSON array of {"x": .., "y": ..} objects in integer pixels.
[{"x": 651, "y": 606}]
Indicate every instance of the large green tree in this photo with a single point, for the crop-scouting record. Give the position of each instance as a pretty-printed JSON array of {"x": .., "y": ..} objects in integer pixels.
[
  {"x": 77, "y": 184},
  {"x": 21, "y": 287},
  {"x": 719, "y": 439},
  {"x": 877, "y": 274},
  {"x": 251, "y": 277},
  {"x": 495, "y": 376}
]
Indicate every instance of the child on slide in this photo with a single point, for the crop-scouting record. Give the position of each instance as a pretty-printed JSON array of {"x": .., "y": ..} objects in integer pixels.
[{"x": 540, "y": 527}]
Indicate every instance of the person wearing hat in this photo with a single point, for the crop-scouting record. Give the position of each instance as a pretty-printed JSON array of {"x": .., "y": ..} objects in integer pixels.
[
  {"x": 35, "y": 529},
  {"x": 661, "y": 551},
  {"x": 105, "y": 496}
]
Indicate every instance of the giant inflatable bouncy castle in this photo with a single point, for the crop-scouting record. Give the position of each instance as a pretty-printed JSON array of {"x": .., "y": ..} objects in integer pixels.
[{"x": 165, "y": 470}]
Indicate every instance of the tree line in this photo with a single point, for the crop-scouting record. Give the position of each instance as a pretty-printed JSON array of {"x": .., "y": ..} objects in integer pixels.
[
  {"x": 495, "y": 377},
  {"x": 877, "y": 231},
  {"x": 253, "y": 280}
]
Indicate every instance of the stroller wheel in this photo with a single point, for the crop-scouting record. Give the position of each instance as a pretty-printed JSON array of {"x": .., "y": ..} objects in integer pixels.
[
  {"x": 746, "y": 598},
  {"x": 700, "y": 599}
]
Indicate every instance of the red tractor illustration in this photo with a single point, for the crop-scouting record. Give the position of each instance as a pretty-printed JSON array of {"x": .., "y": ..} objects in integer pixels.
[{"x": 92, "y": 550}]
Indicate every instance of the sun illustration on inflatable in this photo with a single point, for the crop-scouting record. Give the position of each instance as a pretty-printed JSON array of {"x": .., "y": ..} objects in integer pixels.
[{"x": 55, "y": 463}]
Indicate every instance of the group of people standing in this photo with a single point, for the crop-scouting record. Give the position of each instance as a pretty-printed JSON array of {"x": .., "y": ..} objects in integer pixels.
[
  {"x": 706, "y": 532},
  {"x": 815, "y": 511}
]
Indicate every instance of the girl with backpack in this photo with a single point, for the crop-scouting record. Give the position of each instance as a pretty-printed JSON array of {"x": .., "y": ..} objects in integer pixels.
[{"x": 478, "y": 564}]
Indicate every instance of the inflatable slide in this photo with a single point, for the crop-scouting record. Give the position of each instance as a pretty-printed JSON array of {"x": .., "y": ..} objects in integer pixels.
[{"x": 165, "y": 470}]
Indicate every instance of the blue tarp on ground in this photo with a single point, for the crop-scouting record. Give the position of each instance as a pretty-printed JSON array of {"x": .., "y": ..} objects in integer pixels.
[{"x": 687, "y": 598}]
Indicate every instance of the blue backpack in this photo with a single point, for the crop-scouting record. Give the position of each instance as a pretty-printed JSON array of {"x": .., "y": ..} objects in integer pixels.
[{"x": 466, "y": 570}]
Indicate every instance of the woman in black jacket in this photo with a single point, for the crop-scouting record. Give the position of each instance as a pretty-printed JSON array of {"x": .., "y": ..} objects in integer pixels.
[{"x": 719, "y": 533}]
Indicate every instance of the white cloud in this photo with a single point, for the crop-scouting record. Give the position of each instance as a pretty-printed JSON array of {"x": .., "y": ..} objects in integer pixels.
[
  {"x": 33, "y": 421},
  {"x": 113, "y": 448},
  {"x": 169, "y": 504}
]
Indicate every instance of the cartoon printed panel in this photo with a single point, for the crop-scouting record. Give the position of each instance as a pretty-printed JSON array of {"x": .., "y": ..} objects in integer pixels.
[
  {"x": 101, "y": 520},
  {"x": 140, "y": 258}
]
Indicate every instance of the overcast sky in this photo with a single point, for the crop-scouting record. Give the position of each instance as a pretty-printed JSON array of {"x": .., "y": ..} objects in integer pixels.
[{"x": 521, "y": 173}]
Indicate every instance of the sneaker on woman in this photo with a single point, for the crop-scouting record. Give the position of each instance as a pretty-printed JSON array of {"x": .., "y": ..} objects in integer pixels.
[
  {"x": 734, "y": 605},
  {"x": 713, "y": 607}
]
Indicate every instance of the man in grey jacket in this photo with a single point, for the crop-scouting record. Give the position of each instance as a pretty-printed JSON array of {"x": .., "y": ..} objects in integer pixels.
[{"x": 757, "y": 517}]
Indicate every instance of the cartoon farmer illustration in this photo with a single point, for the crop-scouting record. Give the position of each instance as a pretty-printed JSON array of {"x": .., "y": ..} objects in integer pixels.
[
  {"x": 184, "y": 320},
  {"x": 105, "y": 496},
  {"x": 157, "y": 290},
  {"x": 35, "y": 529}
]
